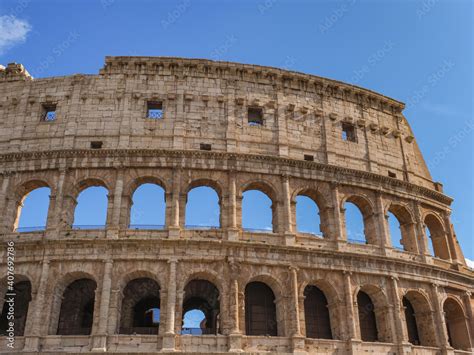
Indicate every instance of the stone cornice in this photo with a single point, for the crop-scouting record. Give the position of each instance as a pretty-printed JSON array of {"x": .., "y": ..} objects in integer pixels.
[{"x": 196, "y": 154}]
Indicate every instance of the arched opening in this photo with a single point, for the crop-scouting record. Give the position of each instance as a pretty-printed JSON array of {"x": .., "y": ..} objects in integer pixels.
[
  {"x": 419, "y": 319},
  {"x": 437, "y": 236},
  {"x": 412, "y": 326},
  {"x": 354, "y": 220},
  {"x": 33, "y": 210},
  {"x": 458, "y": 334},
  {"x": 18, "y": 307},
  {"x": 148, "y": 207},
  {"x": 77, "y": 308},
  {"x": 260, "y": 310},
  {"x": 257, "y": 211},
  {"x": 203, "y": 208},
  {"x": 140, "y": 312},
  {"x": 201, "y": 308},
  {"x": 402, "y": 228},
  {"x": 318, "y": 324},
  {"x": 307, "y": 216},
  {"x": 91, "y": 208},
  {"x": 367, "y": 320}
]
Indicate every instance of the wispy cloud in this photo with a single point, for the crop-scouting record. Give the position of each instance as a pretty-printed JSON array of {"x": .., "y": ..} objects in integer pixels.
[
  {"x": 441, "y": 109},
  {"x": 470, "y": 263},
  {"x": 12, "y": 31}
]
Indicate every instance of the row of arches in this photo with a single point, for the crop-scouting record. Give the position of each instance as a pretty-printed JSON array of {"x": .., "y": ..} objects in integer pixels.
[
  {"x": 140, "y": 306},
  {"x": 203, "y": 210}
]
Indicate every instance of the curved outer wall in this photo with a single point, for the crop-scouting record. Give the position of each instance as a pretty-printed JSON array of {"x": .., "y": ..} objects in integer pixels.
[{"x": 207, "y": 102}]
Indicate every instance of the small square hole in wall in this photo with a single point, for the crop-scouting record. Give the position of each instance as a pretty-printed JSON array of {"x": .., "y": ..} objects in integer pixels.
[
  {"x": 255, "y": 116},
  {"x": 309, "y": 157},
  {"x": 348, "y": 132},
  {"x": 49, "y": 113},
  {"x": 392, "y": 174},
  {"x": 154, "y": 110},
  {"x": 96, "y": 144},
  {"x": 205, "y": 146}
]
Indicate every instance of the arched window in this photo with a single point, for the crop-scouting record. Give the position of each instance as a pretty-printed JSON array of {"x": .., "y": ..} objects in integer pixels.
[
  {"x": 316, "y": 312},
  {"x": 395, "y": 231},
  {"x": 202, "y": 208},
  {"x": 355, "y": 229},
  {"x": 307, "y": 216},
  {"x": 367, "y": 320},
  {"x": 260, "y": 310},
  {"x": 33, "y": 211},
  {"x": 257, "y": 213},
  {"x": 458, "y": 334},
  {"x": 22, "y": 298},
  {"x": 437, "y": 236},
  {"x": 148, "y": 207},
  {"x": 200, "y": 308},
  {"x": 77, "y": 308},
  {"x": 412, "y": 326},
  {"x": 140, "y": 311},
  {"x": 91, "y": 209}
]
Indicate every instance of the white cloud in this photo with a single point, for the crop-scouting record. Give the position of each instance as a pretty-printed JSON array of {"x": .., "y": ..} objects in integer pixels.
[
  {"x": 470, "y": 263},
  {"x": 12, "y": 31}
]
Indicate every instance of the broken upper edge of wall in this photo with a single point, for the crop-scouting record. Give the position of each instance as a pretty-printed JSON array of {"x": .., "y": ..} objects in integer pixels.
[{"x": 14, "y": 72}]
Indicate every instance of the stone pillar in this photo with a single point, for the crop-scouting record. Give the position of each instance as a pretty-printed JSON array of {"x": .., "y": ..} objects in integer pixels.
[
  {"x": 296, "y": 336},
  {"x": 421, "y": 238},
  {"x": 338, "y": 226},
  {"x": 114, "y": 208},
  {"x": 169, "y": 338},
  {"x": 232, "y": 230},
  {"x": 3, "y": 202},
  {"x": 287, "y": 218},
  {"x": 100, "y": 336},
  {"x": 469, "y": 314},
  {"x": 56, "y": 204},
  {"x": 235, "y": 336},
  {"x": 451, "y": 239},
  {"x": 174, "y": 226},
  {"x": 32, "y": 335},
  {"x": 440, "y": 320},
  {"x": 400, "y": 328},
  {"x": 350, "y": 316},
  {"x": 382, "y": 227}
]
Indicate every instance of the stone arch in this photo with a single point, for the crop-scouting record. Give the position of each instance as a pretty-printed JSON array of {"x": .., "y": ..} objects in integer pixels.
[
  {"x": 437, "y": 235},
  {"x": 406, "y": 221},
  {"x": 58, "y": 293},
  {"x": 81, "y": 186},
  {"x": 321, "y": 201},
  {"x": 130, "y": 190},
  {"x": 276, "y": 314},
  {"x": 205, "y": 296},
  {"x": 270, "y": 191},
  {"x": 138, "y": 308},
  {"x": 456, "y": 324},
  {"x": 420, "y": 323},
  {"x": 373, "y": 315},
  {"x": 20, "y": 192},
  {"x": 367, "y": 209},
  {"x": 215, "y": 185},
  {"x": 23, "y": 290},
  {"x": 317, "y": 316}
]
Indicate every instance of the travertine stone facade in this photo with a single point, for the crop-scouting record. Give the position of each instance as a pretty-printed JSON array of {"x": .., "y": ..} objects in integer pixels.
[{"x": 297, "y": 150}]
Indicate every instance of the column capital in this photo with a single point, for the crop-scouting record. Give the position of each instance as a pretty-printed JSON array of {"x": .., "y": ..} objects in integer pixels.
[{"x": 173, "y": 260}]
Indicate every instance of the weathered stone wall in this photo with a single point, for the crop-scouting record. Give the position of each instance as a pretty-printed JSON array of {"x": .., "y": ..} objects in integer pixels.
[{"x": 206, "y": 102}]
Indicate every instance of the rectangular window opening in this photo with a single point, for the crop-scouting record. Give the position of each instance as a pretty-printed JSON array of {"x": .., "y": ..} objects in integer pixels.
[
  {"x": 255, "y": 116},
  {"x": 154, "y": 110},
  {"x": 49, "y": 113},
  {"x": 308, "y": 157},
  {"x": 205, "y": 146},
  {"x": 392, "y": 174},
  {"x": 96, "y": 144},
  {"x": 348, "y": 132}
]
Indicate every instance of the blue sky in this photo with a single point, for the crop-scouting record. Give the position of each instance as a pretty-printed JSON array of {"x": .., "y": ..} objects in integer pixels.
[{"x": 418, "y": 52}]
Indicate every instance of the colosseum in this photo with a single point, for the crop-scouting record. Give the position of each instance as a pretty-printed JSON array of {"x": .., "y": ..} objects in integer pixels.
[{"x": 188, "y": 123}]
